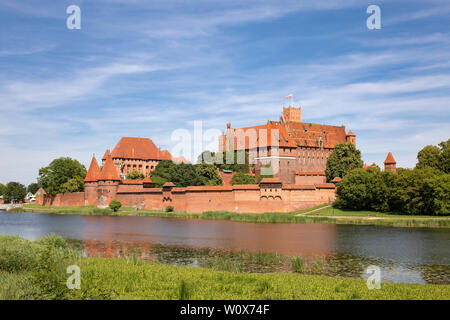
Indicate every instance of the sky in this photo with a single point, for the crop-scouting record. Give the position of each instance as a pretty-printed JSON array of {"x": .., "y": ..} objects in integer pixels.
[{"x": 153, "y": 68}]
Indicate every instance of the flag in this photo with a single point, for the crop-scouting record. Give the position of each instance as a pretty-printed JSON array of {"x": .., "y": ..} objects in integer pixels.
[{"x": 289, "y": 96}]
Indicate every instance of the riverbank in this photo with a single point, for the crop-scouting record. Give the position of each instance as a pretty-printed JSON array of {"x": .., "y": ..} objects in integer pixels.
[
  {"x": 37, "y": 270},
  {"x": 318, "y": 214}
]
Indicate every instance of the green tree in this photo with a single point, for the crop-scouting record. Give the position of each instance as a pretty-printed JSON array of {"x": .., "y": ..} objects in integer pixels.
[
  {"x": 209, "y": 157},
  {"x": 242, "y": 178},
  {"x": 2, "y": 189},
  {"x": 14, "y": 191},
  {"x": 429, "y": 156},
  {"x": 115, "y": 205},
  {"x": 445, "y": 156},
  {"x": 53, "y": 177},
  {"x": 75, "y": 184},
  {"x": 342, "y": 160},
  {"x": 436, "y": 191},
  {"x": 411, "y": 195},
  {"x": 208, "y": 173},
  {"x": 238, "y": 156},
  {"x": 135, "y": 175},
  {"x": 182, "y": 174},
  {"x": 365, "y": 189},
  {"x": 33, "y": 188}
]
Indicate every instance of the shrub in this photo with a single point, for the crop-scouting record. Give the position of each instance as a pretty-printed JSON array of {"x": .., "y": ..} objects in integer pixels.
[
  {"x": 169, "y": 209},
  {"x": 115, "y": 205},
  {"x": 53, "y": 240}
]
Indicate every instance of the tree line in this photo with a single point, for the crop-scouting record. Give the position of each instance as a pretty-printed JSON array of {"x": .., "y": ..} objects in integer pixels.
[{"x": 423, "y": 190}]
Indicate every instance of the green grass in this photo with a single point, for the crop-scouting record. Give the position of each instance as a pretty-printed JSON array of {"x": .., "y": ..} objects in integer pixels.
[
  {"x": 326, "y": 215},
  {"x": 37, "y": 270}
]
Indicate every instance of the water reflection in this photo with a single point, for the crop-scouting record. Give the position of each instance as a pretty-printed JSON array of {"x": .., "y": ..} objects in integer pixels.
[{"x": 405, "y": 254}]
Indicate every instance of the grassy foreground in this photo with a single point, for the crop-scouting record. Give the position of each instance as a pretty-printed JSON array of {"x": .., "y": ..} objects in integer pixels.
[
  {"x": 324, "y": 215},
  {"x": 37, "y": 270}
]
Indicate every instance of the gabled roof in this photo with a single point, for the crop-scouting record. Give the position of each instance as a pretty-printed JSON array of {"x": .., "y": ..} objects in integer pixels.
[
  {"x": 109, "y": 171},
  {"x": 139, "y": 148},
  {"x": 260, "y": 137},
  {"x": 390, "y": 159},
  {"x": 94, "y": 171},
  {"x": 351, "y": 134},
  {"x": 315, "y": 135}
]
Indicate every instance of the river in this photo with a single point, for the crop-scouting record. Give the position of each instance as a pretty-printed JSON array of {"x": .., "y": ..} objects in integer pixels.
[{"x": 415, "y": 255}]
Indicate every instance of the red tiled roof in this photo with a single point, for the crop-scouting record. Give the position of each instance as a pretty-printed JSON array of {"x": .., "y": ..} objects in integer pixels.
[
  {"x": 298, "y": 187},
  {"x": 131, "y": 182},
  {"x": 262, "y": 134},
  {"x": 310, "y": 135},
  {"x": 310, "y": 173},
  {"x": 147, "y": 180},
  {"x": 94, "y": 171},
  {"x": 139, "y": 148},
  {"x": 325, "y": 186},
  {"x": 208, "y": 188},
  {"x": 106, "y": 154},
  {"x": 351, "y": 134},
  {"x": 390, "y": 159},
  {"x": 245, "y": 187},
  {"x": 109, "y": 171},
  {"x": 336, "y": 179},
  {"x": 169, "y": 184},
  {"x": 270, "y": 180}
]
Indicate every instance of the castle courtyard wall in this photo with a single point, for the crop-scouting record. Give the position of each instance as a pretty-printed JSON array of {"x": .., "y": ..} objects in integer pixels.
[{"x": 238, "y": 198}]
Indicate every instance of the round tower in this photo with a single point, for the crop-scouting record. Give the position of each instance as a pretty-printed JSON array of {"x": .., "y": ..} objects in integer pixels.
[
  {"x": 108, "y": 183},
  {"x": 91, "y": 183},
  {"x": 390, "y": 164}
]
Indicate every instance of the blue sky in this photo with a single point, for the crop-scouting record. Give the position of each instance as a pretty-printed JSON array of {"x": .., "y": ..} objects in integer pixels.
[{"x": 147, "y": 68}]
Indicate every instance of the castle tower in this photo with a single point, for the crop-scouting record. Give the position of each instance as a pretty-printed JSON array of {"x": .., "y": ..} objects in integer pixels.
[
  {"x": 351, "y": 137},
  {"x": 91, "y": 183},
  {"x": 292, "y": 114},
  {"x": 390, "y": 164},
  {"x": 108, "y": 182}
]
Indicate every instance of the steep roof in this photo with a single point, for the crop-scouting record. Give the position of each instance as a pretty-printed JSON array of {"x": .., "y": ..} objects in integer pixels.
[
  {"x": 94, "y": 171},
  {"x": 351, "y": 134},
  {"x": 109, "y": 171},
  {"x": 106, "y": 154},
  {"x": 390, "y": 159},
  {"x": 312, "y": 135},
  {"x": 260, "y": 136},
  {"x": 139, "y": 148}
]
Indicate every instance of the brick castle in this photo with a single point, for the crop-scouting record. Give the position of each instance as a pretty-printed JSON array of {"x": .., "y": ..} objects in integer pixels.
[{"x": 299, "y": 149}]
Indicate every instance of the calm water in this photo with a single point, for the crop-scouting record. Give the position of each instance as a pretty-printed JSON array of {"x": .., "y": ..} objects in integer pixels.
[{"x": 417, "y": 255}]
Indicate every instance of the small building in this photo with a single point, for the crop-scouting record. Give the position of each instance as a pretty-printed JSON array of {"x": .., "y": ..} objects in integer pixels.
[{"x": 390, "y": 164}]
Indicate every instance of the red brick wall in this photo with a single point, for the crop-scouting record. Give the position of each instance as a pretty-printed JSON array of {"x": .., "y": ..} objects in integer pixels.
[{"x": 240, "y": 199}]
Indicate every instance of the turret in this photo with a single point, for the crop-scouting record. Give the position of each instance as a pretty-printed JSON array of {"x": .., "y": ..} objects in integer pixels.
[
  {"x": 108, "y": 182},
  {"x": 91, "y": 183},
  {"x": 351, "y": 137},
  {"x": 390, "y": 164}
]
